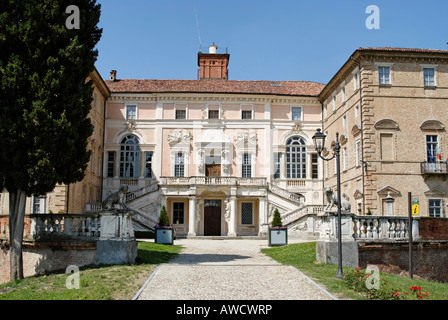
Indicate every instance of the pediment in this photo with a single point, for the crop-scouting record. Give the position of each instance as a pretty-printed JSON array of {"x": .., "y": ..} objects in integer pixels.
[
  {"x": 435, "y": 192},
  {"x": 358, "y": 194},
  {"x": 356, "y": 130},
  {"x": 386, "y": 124},
  {"x": 432, "y": 125},
  {"x": 384, "y": 192}
]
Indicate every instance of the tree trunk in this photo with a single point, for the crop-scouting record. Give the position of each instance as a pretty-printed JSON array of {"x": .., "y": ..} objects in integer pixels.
[{"x": 17, "y": 202}]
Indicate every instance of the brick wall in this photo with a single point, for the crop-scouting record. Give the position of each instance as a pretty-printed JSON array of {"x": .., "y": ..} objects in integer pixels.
[
  {"x": 433, "y": 228},
  {"x": 40, "y": 258},
  {"x": 430, "y": 257}
]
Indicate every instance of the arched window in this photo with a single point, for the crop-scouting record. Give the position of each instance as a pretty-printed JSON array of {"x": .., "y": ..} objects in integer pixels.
[
  {"x": 296, "y": 158},
  {"x": 130, "y": 157}
]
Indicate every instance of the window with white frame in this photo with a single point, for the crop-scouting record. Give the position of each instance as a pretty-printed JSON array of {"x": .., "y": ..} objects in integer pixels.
[
  {"x": 277, "y": 165},
  {"x": 357, "y": 111},
  {"x": 39, "y": 204},
  {"x": 344, "y": 159},
  {"x": 148, "y": 164},
  {"x": 213, "y": 114},
  {"x": 435, "y": 208},
  {"x": 247, "y": 166},
  {"x": 429, "y": 77},
  {"x": 131, "y": 112},
  {"x": 344, "y": 120},
  {"x": 246, "y": 114},
  {"x": 343, "y": 94},
  {"x": 334, "y": 103},
  {"x": 314, "y": 166},
  {"x": 179, "y": 165},
  {"x": 296, "y": 113},
  {"x": 247, "y": 213},
  {"x": 181, "y": 114},
  {"x": 384, "y": 75},
  {"x": 110, "y": 164},
  {"x": 130, "y": 157},
  {"x": 296, "y": 158}
]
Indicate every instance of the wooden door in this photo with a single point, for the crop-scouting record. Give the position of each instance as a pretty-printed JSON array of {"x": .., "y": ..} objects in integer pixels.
[
  {"x": 212, "y": 218},
  {"x": 213, "y": 170}
]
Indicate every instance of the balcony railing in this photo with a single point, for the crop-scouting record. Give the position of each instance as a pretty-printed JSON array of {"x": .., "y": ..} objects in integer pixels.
[
  {"x": 434, "y": 168},
  {"x": 384, "y": 228},
  {"x": 220, "y": 181}
]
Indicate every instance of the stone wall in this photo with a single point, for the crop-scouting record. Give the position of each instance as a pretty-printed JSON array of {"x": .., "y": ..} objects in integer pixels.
[
  {"x": 46, "y": 257},
  {"x": 430, "y": 258},
  {"x": 433, "y": 228}
]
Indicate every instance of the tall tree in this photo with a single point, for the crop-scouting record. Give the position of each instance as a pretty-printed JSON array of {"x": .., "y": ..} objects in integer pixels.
[{"x": 44, "y": 101}]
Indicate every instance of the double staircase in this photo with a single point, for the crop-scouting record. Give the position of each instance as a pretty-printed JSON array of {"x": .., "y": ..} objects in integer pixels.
[{"x": 146, "y": 204}]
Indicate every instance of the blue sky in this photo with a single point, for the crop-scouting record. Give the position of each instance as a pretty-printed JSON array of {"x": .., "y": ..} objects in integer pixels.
[{"x": 266, "y": 39}]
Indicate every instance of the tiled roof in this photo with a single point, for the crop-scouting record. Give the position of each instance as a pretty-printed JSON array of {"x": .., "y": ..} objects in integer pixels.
[
  {"x": 391, "y": 49},
  {"x": 290, "y": 88}
]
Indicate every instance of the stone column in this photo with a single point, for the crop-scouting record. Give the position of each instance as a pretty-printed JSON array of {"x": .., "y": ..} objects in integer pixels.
[
  {"x": 191, "y": 216},
  {"x": 262, "y": 217},
  {"x": 232, "y": 223}
]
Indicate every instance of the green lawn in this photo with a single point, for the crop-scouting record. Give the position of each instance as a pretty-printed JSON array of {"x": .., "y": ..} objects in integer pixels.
[
  {"x": 303, "y": 257},
  {"x": 115, "y": 282}
]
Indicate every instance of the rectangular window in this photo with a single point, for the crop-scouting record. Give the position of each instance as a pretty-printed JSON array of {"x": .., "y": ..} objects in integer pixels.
[
  {"x": 277, "y": 165},
  {"x": 356, "y": 111},
  {"x": 110, "y": 164},
  {"x": 358, "y": 153},
  {"x": 314, "y": 166},
  {"x": 131, "y": 112},
  {"x": 247, "y": 214},
  {"x": 387, "y": 152},
  {"x": 213, "y": 114},
  {"x": 334, "y": 103},
  {"x": 179, "y": 165},
  {"x": 435, "y": 208},
  {"x": 431, "y": 148},
  {"x": 344, "y": 159},
  {"x": 247, "y": 166},
  {"x": 246, "y": 114},
  {"x": 178, "y": 212},
  {"x": 343, "y": 94},
  {"x": 39, "y": 204},
  {"x": 384, "y": 75},
  {"x": 181, "y": 114},
  {"x": 296, "y": 113},
  {"x": 148, "y": 165},
  {"x": 429, "y": 77},
  {"x": 344, "y": 121},
  {"x": 355, "y": 81}
]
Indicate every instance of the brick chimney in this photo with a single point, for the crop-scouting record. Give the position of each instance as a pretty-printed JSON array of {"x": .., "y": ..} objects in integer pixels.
[
  {"x": 113, "y": 75},
  {"x": 213, "y": 65}
]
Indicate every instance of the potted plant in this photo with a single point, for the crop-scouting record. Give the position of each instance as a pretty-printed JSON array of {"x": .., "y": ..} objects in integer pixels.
[
  {"x": 278, "y": 234},
  {"x": 164, "y": 232}
]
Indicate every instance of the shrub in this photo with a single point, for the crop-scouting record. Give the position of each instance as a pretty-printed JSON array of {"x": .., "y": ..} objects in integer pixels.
[
  {"x": 164, "y": 221},
  {"x": 277, "y": 220}
]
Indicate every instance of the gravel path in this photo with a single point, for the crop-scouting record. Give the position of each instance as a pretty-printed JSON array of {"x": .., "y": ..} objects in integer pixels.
[{"x": 228, "y": 270}]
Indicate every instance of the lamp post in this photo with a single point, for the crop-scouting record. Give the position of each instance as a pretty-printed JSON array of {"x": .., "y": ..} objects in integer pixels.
[{"x": 319, "y": 144}]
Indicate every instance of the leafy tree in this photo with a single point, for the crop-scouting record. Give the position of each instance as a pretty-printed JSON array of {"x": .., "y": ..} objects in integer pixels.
[
  {"x": 44, "y": 102},
  {"x": 164, "y": 221},
  {"x": 277, "y": 219}
]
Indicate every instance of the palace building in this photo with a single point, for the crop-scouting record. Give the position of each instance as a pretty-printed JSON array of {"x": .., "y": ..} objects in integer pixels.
[{"x": 221, "y": 155}]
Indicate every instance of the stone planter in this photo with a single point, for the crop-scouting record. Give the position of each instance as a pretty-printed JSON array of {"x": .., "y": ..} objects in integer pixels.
[
  {"x": 164, "y": 235},
  {"x": 278, "y": 236}
]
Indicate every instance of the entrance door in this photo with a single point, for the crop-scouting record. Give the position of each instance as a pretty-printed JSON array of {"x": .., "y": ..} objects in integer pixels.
[
  {"x": 213, "y": 170},
  {"x": 212, "y": 218}
]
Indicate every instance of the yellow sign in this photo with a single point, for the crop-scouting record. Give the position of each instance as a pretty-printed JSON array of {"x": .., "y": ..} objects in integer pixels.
[{"x": 415, "y": 209}]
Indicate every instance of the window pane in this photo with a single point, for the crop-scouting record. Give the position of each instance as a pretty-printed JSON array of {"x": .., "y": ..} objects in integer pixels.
[
  {"x": 246, "y": 114},
  {"x": 129, "y": 157},
  {"x": 181, "y": 114},
  {"x": 131, "y": 112},
  {"x": 213, "y": 114},
  {"x": 296, "y": 114},
  {"x": 429, "y": 76},
  {"x": 384, "y": 75},
  {"x": 247, "y": 166},
  {"x": 148, "y": 165},
  {"x": 178, "y": 212},
  {"x": 435, "y": 208},
  {"x": 296, "y": 158},
  {"x": 110, "y": 164},
  {"x": 247, "y": 213}
]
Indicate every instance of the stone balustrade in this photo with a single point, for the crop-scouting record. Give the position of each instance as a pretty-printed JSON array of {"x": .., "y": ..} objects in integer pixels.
[
  {"x": 383, "y": 227},
  {"x": 64, "y": 227},
  {"x": 223, "y": 181}
]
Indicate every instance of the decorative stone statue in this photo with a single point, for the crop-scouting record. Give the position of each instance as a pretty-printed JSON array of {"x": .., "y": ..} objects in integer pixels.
[
  {"x": 333, "y": 200},
  {"x": 118, "y": 197}
]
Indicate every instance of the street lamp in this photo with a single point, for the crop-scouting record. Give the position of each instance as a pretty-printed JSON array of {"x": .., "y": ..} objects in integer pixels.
[{"x": 319, "y": 144}]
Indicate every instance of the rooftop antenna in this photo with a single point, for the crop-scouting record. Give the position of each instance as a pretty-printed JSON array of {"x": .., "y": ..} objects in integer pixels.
[{"x": 199, "y": 33}]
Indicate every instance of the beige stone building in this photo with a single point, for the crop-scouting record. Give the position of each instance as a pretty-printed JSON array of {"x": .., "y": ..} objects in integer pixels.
[
  {"x": 390, "y": 107},
  {"x": 75, "y": 197}
]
